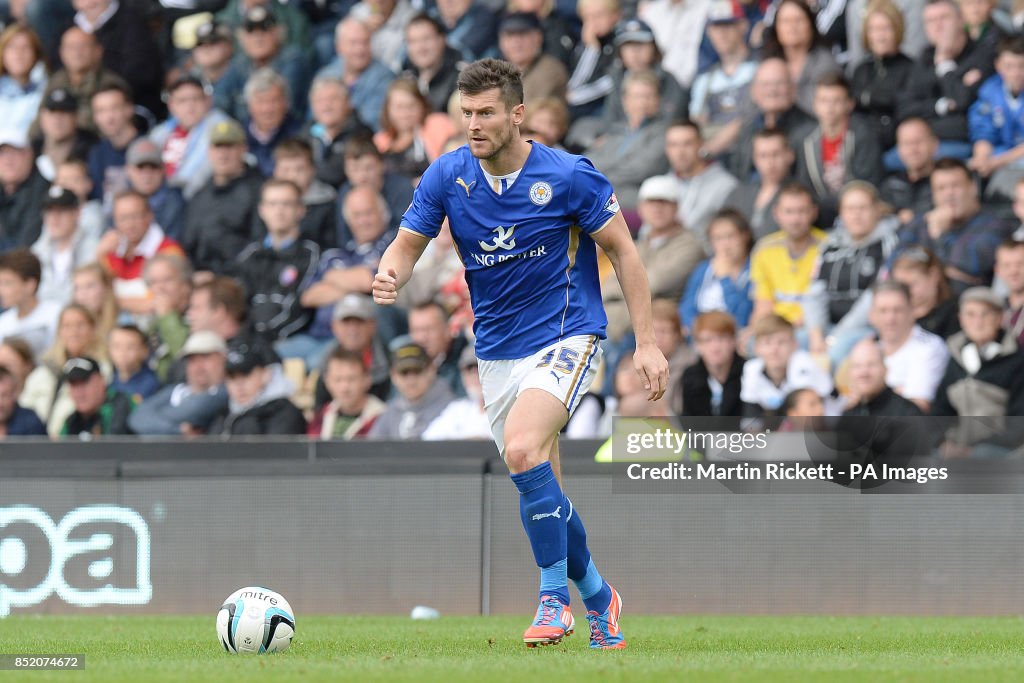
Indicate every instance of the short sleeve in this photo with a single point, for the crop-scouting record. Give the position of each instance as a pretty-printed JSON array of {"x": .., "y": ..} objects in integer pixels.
[
  {"x": 592, "y": 201},
  {"x": 426, "y": 212}
]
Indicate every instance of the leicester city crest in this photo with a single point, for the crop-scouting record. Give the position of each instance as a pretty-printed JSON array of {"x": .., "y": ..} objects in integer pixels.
[{"x": 540, "y": 193}]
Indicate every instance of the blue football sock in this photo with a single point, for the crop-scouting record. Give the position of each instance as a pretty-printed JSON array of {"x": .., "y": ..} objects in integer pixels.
[
  {"x": 543, "y": 511},
  {"x": 580, "y": 567}
]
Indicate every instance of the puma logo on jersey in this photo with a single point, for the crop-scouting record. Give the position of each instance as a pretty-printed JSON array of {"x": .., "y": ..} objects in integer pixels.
[
  {"x": 541, "y": 515},
  {"x": 460, "y": 181},
  {"x": 502, "y": 240}
]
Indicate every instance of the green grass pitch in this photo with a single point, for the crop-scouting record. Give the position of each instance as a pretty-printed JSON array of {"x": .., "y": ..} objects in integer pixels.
[{"x": 691, "y": 648}]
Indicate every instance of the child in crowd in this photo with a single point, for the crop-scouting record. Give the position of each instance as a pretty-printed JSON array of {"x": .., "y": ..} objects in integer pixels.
[
  {"x": 129, "y": 351},
  {"x": 778, "y": 368}
]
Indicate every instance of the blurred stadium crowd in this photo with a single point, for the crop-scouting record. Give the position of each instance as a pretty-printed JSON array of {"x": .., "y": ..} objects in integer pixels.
[{"x": 194, "y": 195}]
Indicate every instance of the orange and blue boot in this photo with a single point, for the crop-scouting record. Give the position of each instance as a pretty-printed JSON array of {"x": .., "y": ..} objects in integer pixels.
[
  {"x": 604, "y": 628},
  {"x": 553, "y": 622}
]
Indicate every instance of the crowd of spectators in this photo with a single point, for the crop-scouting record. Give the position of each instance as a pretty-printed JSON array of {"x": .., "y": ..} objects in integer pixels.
[{"x": 194, "y": 196}]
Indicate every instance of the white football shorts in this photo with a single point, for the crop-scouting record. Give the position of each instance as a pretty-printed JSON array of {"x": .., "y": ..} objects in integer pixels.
[{"x": 565, "y": 369}]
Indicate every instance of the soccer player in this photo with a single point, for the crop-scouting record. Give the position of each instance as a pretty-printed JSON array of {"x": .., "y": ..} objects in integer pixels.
[{"x": 525, "y": 219}]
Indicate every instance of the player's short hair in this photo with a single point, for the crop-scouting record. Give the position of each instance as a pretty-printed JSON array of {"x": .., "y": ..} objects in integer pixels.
[
  {"x": 294, "y": 148},
  {"x": 891, "y": 286},
  {"x": 23, "y": 263},
  {"x": 131, "y": 329},
  {"x": 274, "y": 183},
  {"x": 833, "y": 79},
  {"x": 226, "y": 293},
  {"x": 951, "y": 164},
  {"x": 796, "y": 189},
  {"x": 772, "y": 324},
  {"x": 714, "y": 322},
  {"x": 488, "y": 74},
  {"x": 343, "y": 355},
  {"x": 668, "y": 311},
  {"x": 1012, "y": 44}
]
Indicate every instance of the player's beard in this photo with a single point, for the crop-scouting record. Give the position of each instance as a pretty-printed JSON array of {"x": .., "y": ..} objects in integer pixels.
[{"x": 500, "y": 143}]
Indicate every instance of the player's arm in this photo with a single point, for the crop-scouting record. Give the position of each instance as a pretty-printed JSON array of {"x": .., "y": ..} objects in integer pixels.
[
  {"x": 396, "y": 265},
  {"x": 648, "y": 360}
]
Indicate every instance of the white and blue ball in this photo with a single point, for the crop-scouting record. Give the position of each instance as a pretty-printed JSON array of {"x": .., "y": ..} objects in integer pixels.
[{"x": 254, "y": 621}]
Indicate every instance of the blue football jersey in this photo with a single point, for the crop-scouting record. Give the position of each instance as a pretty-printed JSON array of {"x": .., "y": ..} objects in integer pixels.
[{"x": 531, "y": 264}]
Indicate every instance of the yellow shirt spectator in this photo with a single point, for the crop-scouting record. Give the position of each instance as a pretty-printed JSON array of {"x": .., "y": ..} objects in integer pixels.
[{"x": 779, "y": 277}]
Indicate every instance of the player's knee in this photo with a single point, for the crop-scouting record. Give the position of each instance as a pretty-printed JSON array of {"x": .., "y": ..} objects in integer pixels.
[{"x": 523, "y": 453}]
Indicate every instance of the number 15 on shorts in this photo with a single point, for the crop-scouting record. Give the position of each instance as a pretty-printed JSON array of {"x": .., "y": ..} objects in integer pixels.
[{"x": 566, "y": 360}]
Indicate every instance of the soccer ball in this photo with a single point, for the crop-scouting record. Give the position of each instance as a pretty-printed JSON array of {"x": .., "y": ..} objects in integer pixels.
[{"x": 255, "y": 620}]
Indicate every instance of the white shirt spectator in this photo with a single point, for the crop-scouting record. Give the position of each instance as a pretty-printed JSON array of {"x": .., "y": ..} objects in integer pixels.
[
  {"x": 802, "y": 372},
  {"x": 38, "y": 328},
  {"x": 463, "y": 418},
  {"x": 915, "y": 370},
  {"x": 678, "y": 27}
]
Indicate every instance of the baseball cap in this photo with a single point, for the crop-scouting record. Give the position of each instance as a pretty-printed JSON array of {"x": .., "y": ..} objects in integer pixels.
[
  {"x": 519, "y": 22},
  {"x": 79, "y": 369},
  {"x": 258, "y": 18},
  {"x": 633, "y": 31},
  {"x": 212, "y": 32},
  {"x": 409, "y": 356},
  {"x": 58, "y": 197},
  {"x": 355, "y": 306},
  {"x": 660, "y": 187},
  {"x": 61, "y": 99},
  {"x": 725, "y": 12},
  {"x": 246, "y": 353},
  {"x": 227, "y": 133},
  {"x": 143, "y": 151},
  {"x": 203, "y": 342},
  {"x": 13, "y": 138},
  {"x": 983, "y": 295}
]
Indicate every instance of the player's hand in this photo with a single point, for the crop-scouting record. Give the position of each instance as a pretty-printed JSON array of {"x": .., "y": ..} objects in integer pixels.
[
  {"x": 652, "y": 367},
  {"x": 385, "y": 287}
]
